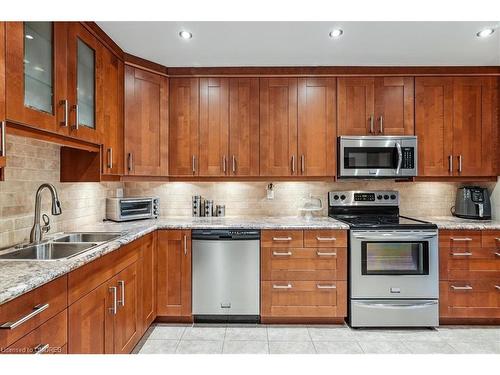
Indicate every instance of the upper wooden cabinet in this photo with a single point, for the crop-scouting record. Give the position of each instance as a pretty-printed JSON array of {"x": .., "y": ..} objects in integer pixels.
[
  {"x": 316, "y": 126},
  {"x": 2, "y": 95},
  {"x": 376, "y": 106},
  {"x": 146, "y": 123},
  {"x": 455, "y": 119},
  {"x": 278, "y": 127},
  {"x": 184, "y": 127}
]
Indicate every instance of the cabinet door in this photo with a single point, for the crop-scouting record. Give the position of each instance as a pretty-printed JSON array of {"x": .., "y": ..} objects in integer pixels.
[
  {"x": 473, "y": 133},
  {"x": 278, "y": 126},
  {"x": 244, "y": 126},
  {"x": 112, "y": 113},
  {"x": 394, "y": 106},
  {"x": 148, "y": 281},
  {"x": 434, "y": 125},
  {"x": 146, "y": 123},
  {"x": 183, "y": 137},
  {"x": 127, "y": 323},
  {"x": 214, "y": 126},
  {"x": 2, "y": 94},
  {"x": 356, "y": 106},
  {"x": 36, "y": 74},
  {"x": 84, "y": 83},
  {"x": 174, "y": 273},
  {"x": 316, "y": 127},
  {"x": 90, "y": 322}
]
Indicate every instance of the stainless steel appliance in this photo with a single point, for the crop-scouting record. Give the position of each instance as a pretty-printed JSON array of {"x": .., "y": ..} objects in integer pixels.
[
  {"x": 393, "y": 261},
  {"x": 377, "y": 156},
  {"x": 226, "y": 275},
  {"x": 472, "y": 202},
  {"x": 125, "y": 209}
]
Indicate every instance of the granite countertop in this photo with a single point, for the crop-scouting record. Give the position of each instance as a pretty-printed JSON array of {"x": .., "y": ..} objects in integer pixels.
[
  {"x": 21, "y": 276},
  {"x": 452, "y": 222}
]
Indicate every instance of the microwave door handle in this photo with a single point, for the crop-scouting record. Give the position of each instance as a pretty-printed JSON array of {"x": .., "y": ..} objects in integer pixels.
[{"x": 400, "y": 158}]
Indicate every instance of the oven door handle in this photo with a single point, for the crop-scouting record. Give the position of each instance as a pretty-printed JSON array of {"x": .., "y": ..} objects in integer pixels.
[
  {"x": 394, "y": 238},
  {"x": 398, "y": 306},
  {"x": 400, "y": 157}
]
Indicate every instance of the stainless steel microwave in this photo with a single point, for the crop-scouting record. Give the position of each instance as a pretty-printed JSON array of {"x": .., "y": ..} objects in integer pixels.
[
  {"x": 377, "y": 156},
  {"x": 125, "y": 209}
]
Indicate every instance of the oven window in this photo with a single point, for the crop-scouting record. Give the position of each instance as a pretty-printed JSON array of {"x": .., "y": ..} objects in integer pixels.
[
  {"x": 370, "y": 157},
  {"x": 395, "y": 258}
]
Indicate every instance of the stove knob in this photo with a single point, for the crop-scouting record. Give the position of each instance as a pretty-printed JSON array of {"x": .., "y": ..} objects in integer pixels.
[
  {"x": 386, "y": 197},
  {"x": 342, "y": 197},
  {"x": 379, "y": 197},
  {"x": 393, "y": 196},
  {"x": 335, "y": 197}
]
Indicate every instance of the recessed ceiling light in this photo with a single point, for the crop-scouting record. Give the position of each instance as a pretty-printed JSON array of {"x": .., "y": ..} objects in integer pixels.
[
  {"x": 185, "y": 34},
  {"x": 485, "y": 32},
  {"x": 335, "y": 33},
  {"x": 29, "y": 36}
]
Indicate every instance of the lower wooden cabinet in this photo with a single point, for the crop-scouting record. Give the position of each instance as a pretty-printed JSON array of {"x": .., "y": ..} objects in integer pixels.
[
  {"x": 148, "y": 270},
  {"x": 174, "y": 274}
]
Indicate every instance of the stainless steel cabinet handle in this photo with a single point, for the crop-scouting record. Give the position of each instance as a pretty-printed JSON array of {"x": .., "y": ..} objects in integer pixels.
[
  {"x": 77, "y": 117},
  {"x": 497, "y": 286},
  {"x": 497, "y": 254},
  {"x": 110, "y": 158},
  {"x": 64, "y": 122},
  {"x": 234, "y": 164},
  {"x": 497, "y": 239},
  {"x": 114, "y": 309},
  {"x": 466, "y": 287},
  {"x": 129, "y": 162},
  {"x": 302, "y": 164},
  {"x": 450, "y": 163},
  {"x": 3, "y": 150},
  {"x": 466, "y": 254},
  {"x": 371, "y": 124},
  {"x": 193, "y": 165},
  {"x": 326, "y": 238},
  {"x": 41, "y": 348},
  {"x": 459, "y": 163},
  {"x": 293, "y": 164},
  {"x": 282, "y": 238},
  {"x": 36, "y": 310},
  {"x": 224, "y": 164},
  {"x": 461, "y": 238},
  {"x": 280, "y": 254},
  {"x": 322, "y": 254},
  {"x": 400, "y": 157},
  {"x": 185, "y": 245},
  {"x": 319, "y": 286},
  {"x": 381, "y": 119},
  {"x": 288, "y": 286},
  {"x": 121, "y": 302}
]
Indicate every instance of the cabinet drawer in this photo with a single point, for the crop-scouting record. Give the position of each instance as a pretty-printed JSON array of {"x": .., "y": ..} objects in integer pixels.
[
  {"x": 281, "y": 238},
  {"x": 491, "y": 239},
  {"x": 304, "y": 298},
  {"x": 49, "y": 338},
  {"x": 475, "y": 263},
  {"x": 459, "y": 239},
  {"x": 303, "y": 264},
  {"x": 27, "y": 312},
  {"x": 325, "y": 238}
]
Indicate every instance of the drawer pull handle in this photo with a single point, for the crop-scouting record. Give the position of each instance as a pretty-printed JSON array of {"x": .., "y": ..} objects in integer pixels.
[
  {"x": 466, "y": 254},
  {"x": 466, "y": 287},
  {"x": 114, "y": 309},
  {"x": 40, "y": 348},
  {"x": 282, "y": 238},
  {"x": 461, "y": 239},
  {"x": 326, "y": 238},
  {"x": 279, "y": 254},
  {"x": 497, "y": 254},
  {"x": 319, "y": 286},
  {"x": 497, "y": 239},
  {"x": 497, "y": 286},
  {"x": 36, "y": 310},
  {"x": 288, "y": 286},
  {"x": 322, "y": 254},
  {"x": 121, "y": 302}
]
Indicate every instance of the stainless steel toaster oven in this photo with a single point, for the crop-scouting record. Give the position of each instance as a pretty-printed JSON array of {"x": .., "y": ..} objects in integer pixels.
[{"x": 125, "y": 209}]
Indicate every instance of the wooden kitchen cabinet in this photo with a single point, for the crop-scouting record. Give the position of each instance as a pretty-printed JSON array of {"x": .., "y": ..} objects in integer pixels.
[
  {"x": 146, "y": 123},
  {"x": 2, "y": 97},
  {"x": 148, "y": 270},
  {"x": 455, "y": 125},
  {"x": 112, "y": 113},
  {"x": 316, "y": 134},
  {"x": 184, "y": 127},
  {"x": 375, "y": 106},
  {"x": 174, "y": 275},
  {"x": 278, "y": 127}
]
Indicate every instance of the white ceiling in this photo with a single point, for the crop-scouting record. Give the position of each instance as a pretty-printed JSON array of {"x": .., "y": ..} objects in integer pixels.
[{"x": 308, "y": 43}]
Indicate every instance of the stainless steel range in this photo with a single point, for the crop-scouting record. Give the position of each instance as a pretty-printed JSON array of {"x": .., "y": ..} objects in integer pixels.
[{"x": 393, "y": 261}]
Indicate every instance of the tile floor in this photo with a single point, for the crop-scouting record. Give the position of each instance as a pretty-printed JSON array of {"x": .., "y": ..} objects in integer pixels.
[{"x": 301, "y": 339}]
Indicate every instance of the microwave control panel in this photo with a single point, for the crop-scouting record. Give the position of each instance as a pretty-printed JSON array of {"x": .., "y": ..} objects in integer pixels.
[{"x": 408, "y": 158}]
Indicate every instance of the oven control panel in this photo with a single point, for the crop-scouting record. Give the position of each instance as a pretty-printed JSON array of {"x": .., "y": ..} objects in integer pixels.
[{"x": 363, "y": 198}]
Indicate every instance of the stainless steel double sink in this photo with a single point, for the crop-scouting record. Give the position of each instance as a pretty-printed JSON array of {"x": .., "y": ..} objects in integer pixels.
[{"x": 64, "y": 246}]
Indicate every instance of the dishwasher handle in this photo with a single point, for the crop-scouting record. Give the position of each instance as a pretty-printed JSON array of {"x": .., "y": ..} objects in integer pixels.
[{"x": 225, "y": 234}]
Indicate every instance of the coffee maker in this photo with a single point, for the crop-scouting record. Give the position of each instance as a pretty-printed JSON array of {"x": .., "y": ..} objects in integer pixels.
[{"x": 472, "y": 202}]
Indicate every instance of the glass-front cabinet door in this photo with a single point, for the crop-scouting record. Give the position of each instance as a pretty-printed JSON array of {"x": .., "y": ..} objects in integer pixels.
[
  {"x": 35, "y": 74},
  {"x": 84, "y": 63}
]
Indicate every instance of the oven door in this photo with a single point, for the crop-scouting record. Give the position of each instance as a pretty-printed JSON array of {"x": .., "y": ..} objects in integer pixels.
[
  {"x": 394, "y": 264},
  {"x": 372, "y": 157}
]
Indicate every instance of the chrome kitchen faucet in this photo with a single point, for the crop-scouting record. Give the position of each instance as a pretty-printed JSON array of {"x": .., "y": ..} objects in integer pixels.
[{"x": 37, "y": 230}]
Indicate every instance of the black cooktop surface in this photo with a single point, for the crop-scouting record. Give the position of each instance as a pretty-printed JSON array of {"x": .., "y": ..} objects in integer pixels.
[{"x": 383, "y": 222}]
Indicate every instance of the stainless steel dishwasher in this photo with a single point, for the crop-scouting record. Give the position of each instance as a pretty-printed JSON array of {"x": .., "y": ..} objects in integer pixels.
[{"x": 226, "y": 275}]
